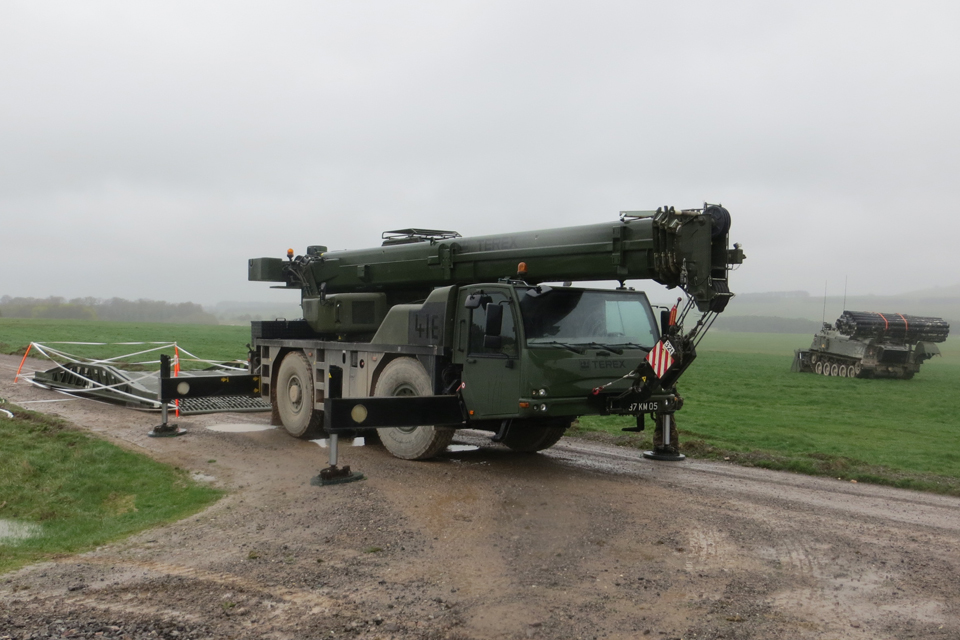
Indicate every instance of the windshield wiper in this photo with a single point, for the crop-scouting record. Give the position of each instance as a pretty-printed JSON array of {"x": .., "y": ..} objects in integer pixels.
[
  {"x": 608, "y": 347},
  {"x": 561, "y": 344},
  {"x": 632, "y": 345}
]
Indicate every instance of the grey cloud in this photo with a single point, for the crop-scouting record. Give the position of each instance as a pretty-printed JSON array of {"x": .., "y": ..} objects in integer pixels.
[{"x": 186, "y": 138}]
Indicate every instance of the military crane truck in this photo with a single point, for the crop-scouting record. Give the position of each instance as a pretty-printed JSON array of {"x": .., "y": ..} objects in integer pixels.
[{"x": 433, "y": 331}]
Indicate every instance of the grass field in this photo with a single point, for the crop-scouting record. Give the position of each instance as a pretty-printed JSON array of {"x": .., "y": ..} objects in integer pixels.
[
  {"x": 743, "y": 403},
  {"x": 75, "y": 492}
]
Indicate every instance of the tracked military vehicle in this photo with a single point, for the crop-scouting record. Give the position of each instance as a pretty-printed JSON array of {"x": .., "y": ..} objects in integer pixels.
[{"x": 865, "y": 344}]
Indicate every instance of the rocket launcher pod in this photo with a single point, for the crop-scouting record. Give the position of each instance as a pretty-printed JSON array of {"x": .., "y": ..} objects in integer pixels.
[{"x": 894, "y": 327}]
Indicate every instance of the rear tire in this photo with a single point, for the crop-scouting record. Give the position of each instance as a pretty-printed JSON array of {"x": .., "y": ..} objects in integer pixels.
[
  {"x": 529, "y": 438},
  {"x": 407, "y": 377},
  {"x": 295, "y": 398}
]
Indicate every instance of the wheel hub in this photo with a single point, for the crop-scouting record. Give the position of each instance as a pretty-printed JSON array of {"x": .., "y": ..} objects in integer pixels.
[
  {"x": 406, "y": 391},
  {"x": 294, "y": 392}
]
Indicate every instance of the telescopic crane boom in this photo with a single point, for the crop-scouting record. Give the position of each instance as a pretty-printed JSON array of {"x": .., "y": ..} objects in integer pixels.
[{"x": 677, "y": 248}]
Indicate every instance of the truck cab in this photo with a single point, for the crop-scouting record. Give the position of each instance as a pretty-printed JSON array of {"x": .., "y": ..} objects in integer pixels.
[{"x": 538, "y": 352}]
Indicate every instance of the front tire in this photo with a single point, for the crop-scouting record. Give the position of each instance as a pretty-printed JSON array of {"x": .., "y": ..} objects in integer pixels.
[
  {"x": 529, "y": 438},
  {"x": 407, "y": 377},
  {"x": 295, "y": 397}
]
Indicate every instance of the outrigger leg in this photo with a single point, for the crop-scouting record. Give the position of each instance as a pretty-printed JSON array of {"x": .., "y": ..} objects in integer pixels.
[
  {"x": 666, "y": 444},
  {"x": 164, "y": 430},
  {"x": 334, "y": 474}
]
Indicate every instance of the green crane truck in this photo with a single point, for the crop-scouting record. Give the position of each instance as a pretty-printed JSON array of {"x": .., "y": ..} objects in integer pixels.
[{"x": 431, "y": 331}]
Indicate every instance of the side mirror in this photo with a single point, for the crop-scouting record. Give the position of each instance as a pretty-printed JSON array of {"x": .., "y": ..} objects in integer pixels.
[
  {"x": 494, "y": 320},
  {"x": 493, "y": 327},
  {"x": 664, "y": 321}
]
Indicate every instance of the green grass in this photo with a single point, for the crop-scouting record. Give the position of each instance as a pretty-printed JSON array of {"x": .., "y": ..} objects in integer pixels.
[
  {"x": 743, "y": 403},
  {"x": 209, "y": 342},
  {"x": 80, "y": 491}
]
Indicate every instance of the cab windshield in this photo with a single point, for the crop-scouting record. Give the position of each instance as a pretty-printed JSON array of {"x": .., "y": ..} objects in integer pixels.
[{"x": 587, "y": 317}]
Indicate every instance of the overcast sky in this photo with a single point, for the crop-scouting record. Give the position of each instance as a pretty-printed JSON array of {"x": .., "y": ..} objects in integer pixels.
[{"x": 148, "y": 149}]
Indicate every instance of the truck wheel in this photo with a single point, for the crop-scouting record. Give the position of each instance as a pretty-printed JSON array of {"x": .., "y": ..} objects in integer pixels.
[
  {"x": 295, "y": 398},
  {"x": 534, "y": 437},
  {"x": 407, "y": 377}
]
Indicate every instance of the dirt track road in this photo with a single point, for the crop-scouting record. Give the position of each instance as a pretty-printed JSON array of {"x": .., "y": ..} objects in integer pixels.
[{"x": 583, "y": 541}]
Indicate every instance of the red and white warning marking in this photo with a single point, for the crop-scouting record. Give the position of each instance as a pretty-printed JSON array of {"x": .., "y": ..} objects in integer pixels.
[{"x": 661, "y": 357}]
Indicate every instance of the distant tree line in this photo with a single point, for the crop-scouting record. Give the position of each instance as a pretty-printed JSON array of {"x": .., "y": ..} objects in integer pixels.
[{"x": 114, "y": 309}]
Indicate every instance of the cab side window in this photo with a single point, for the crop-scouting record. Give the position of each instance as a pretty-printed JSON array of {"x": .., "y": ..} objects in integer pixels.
[{"x": 508, "y": 331}]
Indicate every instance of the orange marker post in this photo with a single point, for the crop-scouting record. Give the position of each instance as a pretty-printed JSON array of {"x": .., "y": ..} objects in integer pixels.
[
  {"x": 24, "y": 359},
  {"x": 176, "y": 371}
]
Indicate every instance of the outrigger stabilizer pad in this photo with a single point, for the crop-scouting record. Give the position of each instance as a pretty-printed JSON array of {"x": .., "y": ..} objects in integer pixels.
[
  {"x": 663, "y": 454},
  {"x": 166, "y": 431},
  {"x": 335, "y": 475}
]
